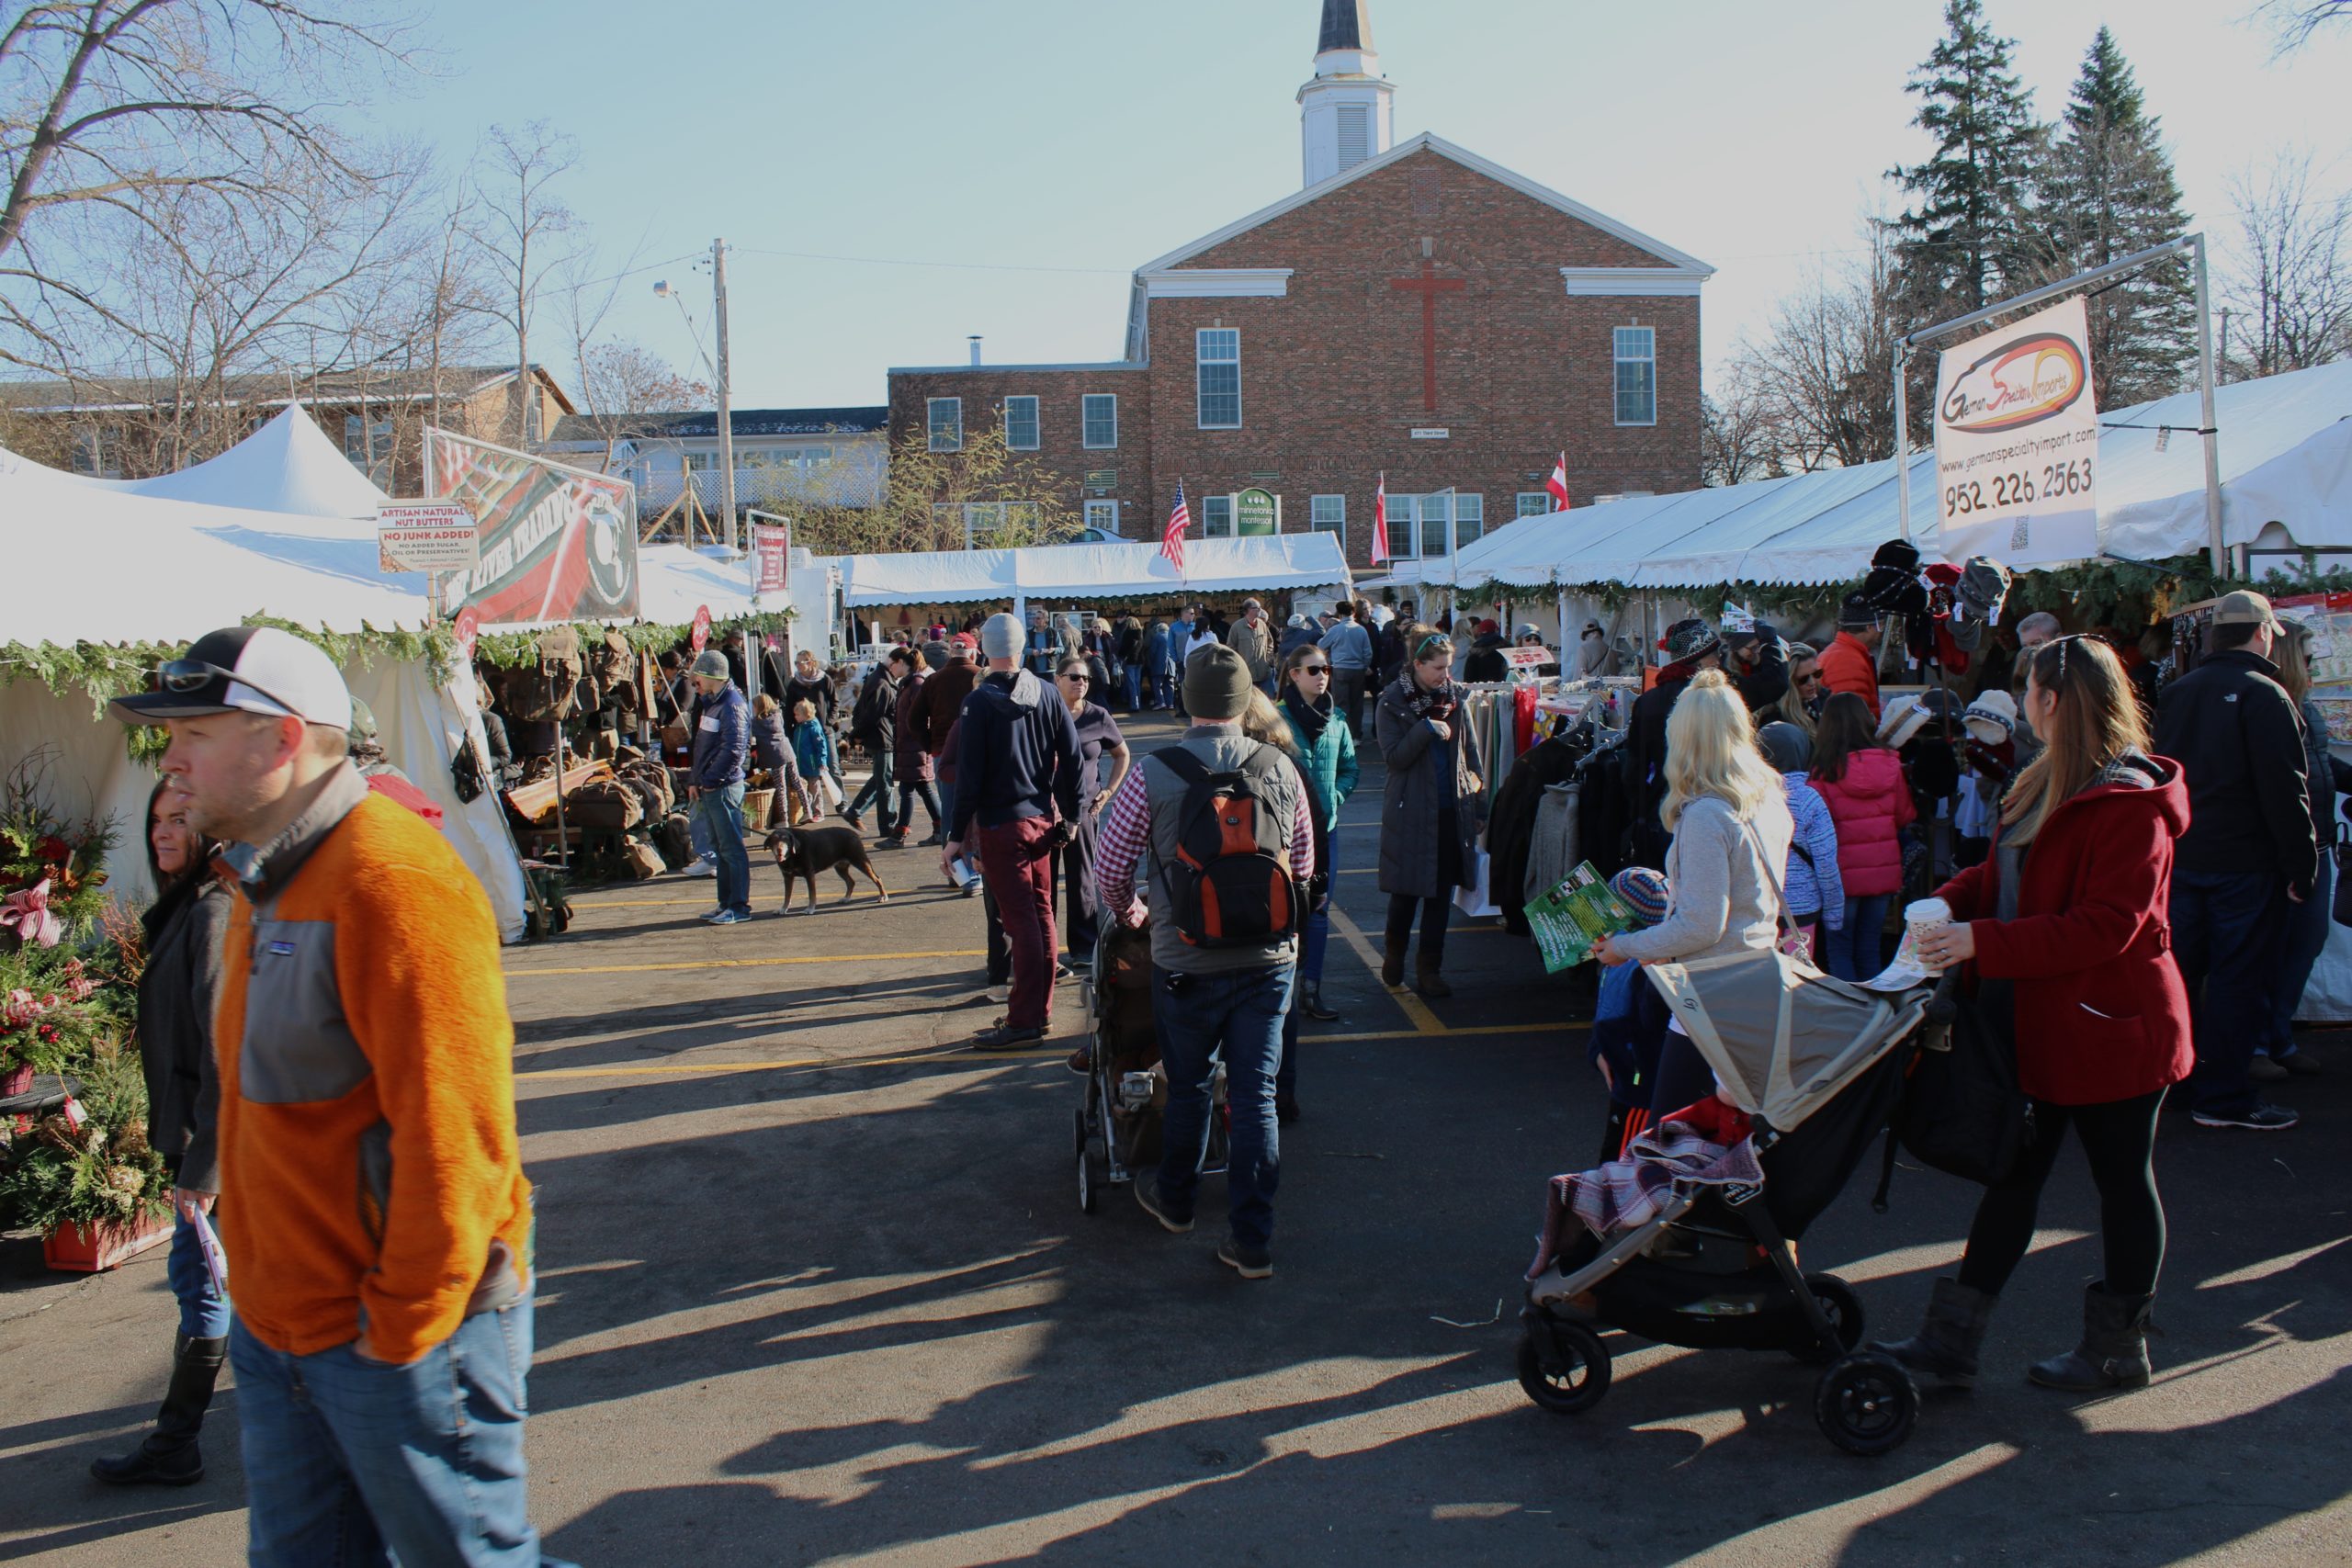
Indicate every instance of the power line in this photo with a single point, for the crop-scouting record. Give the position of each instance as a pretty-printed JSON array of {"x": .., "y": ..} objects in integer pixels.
[{"x": 957, "y": 266}]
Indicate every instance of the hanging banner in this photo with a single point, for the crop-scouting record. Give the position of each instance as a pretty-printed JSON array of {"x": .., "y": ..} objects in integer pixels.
[
  {"x": 426, "y": 536},
  {"x": 2017, "y": 442},
  {"x": 557, "y": 543},
  {"x": 771, "y": 557}
]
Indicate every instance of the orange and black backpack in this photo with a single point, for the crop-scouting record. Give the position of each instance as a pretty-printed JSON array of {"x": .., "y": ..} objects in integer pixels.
[{"x": 1229, "y": 884}]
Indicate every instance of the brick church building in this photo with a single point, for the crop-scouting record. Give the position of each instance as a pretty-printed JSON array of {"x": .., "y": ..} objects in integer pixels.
[{"x": 1414, "y": 311}]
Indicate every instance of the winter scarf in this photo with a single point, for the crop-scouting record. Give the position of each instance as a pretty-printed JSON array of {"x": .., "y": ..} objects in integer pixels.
[{"x": 1310, "y": 718}]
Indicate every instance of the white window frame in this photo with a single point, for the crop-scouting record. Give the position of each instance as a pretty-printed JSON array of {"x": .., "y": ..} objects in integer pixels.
[
  {"x": 1541, "y": 498},
  {"x": 1334, "y": 523},
  {"x": 1201, "y": 362},
  {"x": 1037, "y": 424},
  {"x": 1212, "y": 508},
  {"x": 1474, "y": 501},
  {"x": 931, "y": 424},
  {"x": 1619, "y": 359},
  {"x": 1103, "y": 509},
  {"x": 1404, "y": 526},
  {"x": 1086, "y": 421}
]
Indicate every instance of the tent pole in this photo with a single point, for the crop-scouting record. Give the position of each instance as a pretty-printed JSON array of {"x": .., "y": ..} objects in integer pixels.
[
  {"x": 2205, "y": 403},
  {"x": 1902, "y": 445}
]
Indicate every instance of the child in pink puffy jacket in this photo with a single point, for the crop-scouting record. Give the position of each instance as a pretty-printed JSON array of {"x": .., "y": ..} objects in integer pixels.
[{"x": 1869, "y": 801}]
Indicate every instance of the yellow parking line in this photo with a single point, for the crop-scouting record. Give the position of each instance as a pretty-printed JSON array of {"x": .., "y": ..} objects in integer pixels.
[
  {"x": 674, "y": 1069},
  {"x": 1424, "y": 1022},
  {"x": 746, "y": 963}
]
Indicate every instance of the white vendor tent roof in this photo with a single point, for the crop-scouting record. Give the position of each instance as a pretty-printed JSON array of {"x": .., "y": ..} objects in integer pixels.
[
  {"x": 288, "y": 465},
  {"x": 2286, "y": 457},
  {"x": 1089, "y": 572}
]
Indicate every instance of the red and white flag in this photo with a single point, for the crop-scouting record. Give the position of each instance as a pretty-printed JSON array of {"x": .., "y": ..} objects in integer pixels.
[
  {"x": 1557, "y": 485},
  {"x": 1380, "y": 522},
  {"x": 1172, "y": 540}
]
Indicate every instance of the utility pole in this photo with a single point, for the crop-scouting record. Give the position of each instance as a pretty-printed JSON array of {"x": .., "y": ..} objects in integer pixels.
[{"x": 726, "y": 398}]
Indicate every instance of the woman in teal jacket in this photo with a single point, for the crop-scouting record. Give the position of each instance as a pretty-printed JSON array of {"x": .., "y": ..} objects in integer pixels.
[{"x": 1326, "y": 756}]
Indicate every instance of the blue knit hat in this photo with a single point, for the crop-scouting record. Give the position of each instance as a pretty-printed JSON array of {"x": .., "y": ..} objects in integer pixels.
[{"x": 1645, "y": 892}]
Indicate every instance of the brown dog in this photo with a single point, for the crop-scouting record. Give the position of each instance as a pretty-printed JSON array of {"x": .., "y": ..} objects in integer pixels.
[{"x": 805, "y": 852}]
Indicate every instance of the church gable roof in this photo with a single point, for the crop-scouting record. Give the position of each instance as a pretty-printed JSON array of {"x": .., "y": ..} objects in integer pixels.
[{"x": 1668, "y": 257}]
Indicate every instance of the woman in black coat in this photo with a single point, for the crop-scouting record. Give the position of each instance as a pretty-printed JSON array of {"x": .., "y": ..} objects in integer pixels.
[
  {"x": 1429, "y": 819},
  {"x": 185, "y": 933}
]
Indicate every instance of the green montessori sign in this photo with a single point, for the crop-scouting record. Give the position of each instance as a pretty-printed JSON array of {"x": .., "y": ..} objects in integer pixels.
[{"x": 1257, "y": 512}]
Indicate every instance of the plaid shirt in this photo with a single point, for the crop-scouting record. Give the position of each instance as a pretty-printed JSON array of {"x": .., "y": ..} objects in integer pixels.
[{"x": 1126, "y": 834}]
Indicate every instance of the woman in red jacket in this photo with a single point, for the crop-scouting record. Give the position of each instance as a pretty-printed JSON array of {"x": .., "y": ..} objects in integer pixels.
[
  {"x": 2063, "y": 929},
  {"x": 1863, "y": 783}
]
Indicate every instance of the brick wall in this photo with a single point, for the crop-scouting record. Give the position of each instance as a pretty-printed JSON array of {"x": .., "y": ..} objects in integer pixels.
[{"x": 1061, "y": 454}]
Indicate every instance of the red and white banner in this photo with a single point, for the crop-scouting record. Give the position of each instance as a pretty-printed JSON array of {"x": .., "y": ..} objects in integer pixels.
[
  {"x": 771, "y": 557},
  {"x": 1557, "y": 487},
  {"x": 699, "y": 638},
  {"x": 1380, "y": 522},
  {"x": 558, "y": 543}
]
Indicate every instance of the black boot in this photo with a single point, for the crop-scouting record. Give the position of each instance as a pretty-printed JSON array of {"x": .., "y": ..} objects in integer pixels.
[
  {"x": 1310, "y": 1003},
  {"x": 1945, "y": 1348},
  {"x": 2114, "y": 1351},
  {"x": 1392, "y": 964},
  {"x": 169, "y": 1457},
  {"x": 1430, "y": 982}
]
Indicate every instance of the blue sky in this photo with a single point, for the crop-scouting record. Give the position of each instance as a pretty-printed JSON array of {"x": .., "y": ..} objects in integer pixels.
[{"x": 1045, "y": 148}]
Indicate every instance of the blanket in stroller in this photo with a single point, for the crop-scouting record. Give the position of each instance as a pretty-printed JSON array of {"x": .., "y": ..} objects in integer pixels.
[{"x": 1704, "y": 1145}]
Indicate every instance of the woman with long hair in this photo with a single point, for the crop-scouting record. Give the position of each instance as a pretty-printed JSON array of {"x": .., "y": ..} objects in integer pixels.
[
  {"x": 1799, "y": 703},
  {"x": 1862, "y": 784},
  {"x": 2063, "y": 933},
  {"x": 184, "y": 930},
  {"x": 2305, "y": 930},
  {"x": 1327, "y": 758},
  {"x": 1429, "y": 819}
]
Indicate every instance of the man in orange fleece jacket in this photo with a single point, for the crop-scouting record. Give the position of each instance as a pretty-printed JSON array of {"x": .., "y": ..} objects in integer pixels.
[{"x": 378, "y": 1223}]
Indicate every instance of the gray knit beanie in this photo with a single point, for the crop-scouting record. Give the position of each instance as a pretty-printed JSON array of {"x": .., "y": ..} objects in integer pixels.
[
  {"x": 1001, "y": 635},
  {"x": 1216, "y": 683}
]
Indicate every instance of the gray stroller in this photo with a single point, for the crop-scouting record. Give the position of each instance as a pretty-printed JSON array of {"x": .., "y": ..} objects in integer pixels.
[{"x": 1126, "y": 1092}]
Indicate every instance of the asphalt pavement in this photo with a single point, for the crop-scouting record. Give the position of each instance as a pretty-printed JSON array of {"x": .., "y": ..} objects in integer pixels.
[{"x": 815, "y": 1288}]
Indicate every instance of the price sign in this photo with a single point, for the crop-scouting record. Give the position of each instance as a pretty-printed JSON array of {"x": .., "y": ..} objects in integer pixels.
[
  {"x": 2017, "y": 443},
  {"x": 700, "y": 636},
  {"x": 1527, "y": 658}
]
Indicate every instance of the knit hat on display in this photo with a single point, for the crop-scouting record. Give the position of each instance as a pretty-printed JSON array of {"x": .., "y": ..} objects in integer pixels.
[
  {"x": 1216, "y": 683},
  {"x": 1857, "y": 613},
  {"x": 1904, "y": 718},
  {"x": 1688, "y": 640},
  {"x": 711, "y": 664},
  {"x": 1645, "y": 892},
  {"x": 1992, "y": 718},
  {"x": 1001, "y": 635},
  {"x": 1787, "y": 748}
]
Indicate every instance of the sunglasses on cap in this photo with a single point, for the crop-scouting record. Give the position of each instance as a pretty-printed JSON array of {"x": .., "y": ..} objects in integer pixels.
[{"x": 182, "y": 676}]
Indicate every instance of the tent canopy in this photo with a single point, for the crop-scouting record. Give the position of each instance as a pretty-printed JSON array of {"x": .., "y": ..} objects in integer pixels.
[
  {"x": 1090, "y": 572},
  {"x": 288, "y": 465},
  {"x": 2286, "y": 457}
]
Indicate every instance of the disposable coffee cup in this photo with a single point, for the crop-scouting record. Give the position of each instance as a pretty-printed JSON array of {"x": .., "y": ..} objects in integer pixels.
[{"x": 1919, "y": 918}]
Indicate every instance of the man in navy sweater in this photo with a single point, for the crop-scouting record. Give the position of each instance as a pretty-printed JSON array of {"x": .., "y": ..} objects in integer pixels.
[{"x": 1016, "y": 795}]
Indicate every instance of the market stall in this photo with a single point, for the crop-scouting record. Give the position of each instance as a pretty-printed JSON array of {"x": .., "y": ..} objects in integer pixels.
[{"x": 1095, "y": 573}]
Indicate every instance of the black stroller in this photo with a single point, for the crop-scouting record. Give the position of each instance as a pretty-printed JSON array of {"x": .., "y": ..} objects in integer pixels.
[
  {"x": 1716, "y": 1266},
  {"x": 1127, "y": 1090}
]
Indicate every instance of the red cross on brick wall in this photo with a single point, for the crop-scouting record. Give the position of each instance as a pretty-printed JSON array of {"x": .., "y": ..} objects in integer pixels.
[{"x": 1429, "y": 286}]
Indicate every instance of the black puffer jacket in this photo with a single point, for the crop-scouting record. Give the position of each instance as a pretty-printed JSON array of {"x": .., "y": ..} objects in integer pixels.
[
  {"x": 185, "y": 933},
  {"x": 2240, "y": 745}
]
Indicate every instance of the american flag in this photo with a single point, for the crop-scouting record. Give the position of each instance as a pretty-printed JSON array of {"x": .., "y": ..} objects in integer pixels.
[
  {"x": 1557, "y": 485},
  {"x": 1380, "y": 522},
  {"x": 1172, "y": 541}
]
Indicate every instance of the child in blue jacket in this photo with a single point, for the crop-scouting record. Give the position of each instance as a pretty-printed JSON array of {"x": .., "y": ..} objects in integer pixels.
[
  {"x": 1629, "y": 1021},
  {"x": 812, "y": 750}
]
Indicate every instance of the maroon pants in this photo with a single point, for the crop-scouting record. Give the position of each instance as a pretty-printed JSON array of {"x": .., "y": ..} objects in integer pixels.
[{"x": 1018, "y": 873}]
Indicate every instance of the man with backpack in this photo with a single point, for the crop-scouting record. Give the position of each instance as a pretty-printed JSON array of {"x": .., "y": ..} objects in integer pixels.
[
  {"x": 1223, "y": 831},
  {"x": 874, "y": 724}
]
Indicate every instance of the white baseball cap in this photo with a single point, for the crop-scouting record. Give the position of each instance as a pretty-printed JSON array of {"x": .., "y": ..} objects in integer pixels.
[{"x": 244, "y": 670}]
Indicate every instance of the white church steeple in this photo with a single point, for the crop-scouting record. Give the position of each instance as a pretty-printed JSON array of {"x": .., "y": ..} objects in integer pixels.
[{"x": 1343, "y": 116}]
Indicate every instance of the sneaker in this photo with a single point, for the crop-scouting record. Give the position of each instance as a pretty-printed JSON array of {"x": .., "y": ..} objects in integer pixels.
[
  {"x": 724, "y": 918},
  {"x": 2257, "y": 1117},
  {"x": 1004, "y": 1037},
  {"x": 1001, "y": 995},
  {"x": 1250, "y": 1262},
  {"x": 891, "y": 841},
  {"x": 1147, "y": 1194},
  {"x": 1080, "y": 1061},
  {"x": 2262, "y": 1069},
  {"x": 707, "y": 866},
  {"x": 853, "y": 821}
]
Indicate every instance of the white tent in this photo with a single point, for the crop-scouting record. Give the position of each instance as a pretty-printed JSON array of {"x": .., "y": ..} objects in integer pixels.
[
  {"x": 288, "y": 465},
  {"x": 102, "y": 563},
  {"x": 1087, "y": 573},
  {"x": 2286, "y": 459}
]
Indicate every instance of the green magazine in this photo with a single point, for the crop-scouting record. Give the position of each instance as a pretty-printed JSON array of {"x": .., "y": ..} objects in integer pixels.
[{"x": 1577, "y": 912}]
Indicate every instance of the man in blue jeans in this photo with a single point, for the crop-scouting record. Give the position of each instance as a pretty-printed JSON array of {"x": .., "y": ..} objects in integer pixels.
[
  {"x": 2249, "y": 852},
  {"x": 722, "y": 749},
  {"x": 1208, "y": 1000}
]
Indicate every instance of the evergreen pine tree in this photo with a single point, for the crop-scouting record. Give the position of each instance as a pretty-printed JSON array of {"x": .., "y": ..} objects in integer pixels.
[
  {"x": 2106, "y": 191},
  {"x": 1966, "y": 240}
]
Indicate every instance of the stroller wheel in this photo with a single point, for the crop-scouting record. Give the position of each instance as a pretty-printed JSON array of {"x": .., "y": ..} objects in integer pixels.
[
  {"x": 1090, "y": 1200},
  {"x": 1867, "y": 1404},
  {"x": 1842, "y": 1307},
  {"x": 1577, "y": 1383},
  {"x": 1081, "y": 1127}
]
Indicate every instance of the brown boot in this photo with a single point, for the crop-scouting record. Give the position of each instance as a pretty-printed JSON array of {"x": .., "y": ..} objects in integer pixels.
[
  {"x": 1430, "y": 982},
  {"x": 1392, "y": 964}
]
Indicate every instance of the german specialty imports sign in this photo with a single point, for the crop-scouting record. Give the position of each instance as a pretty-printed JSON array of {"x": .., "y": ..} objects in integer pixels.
[
  {"x": 426, "y": 536},
  {"x": 558, "y": 543},
  {"x": 2017, "y": 443}
]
